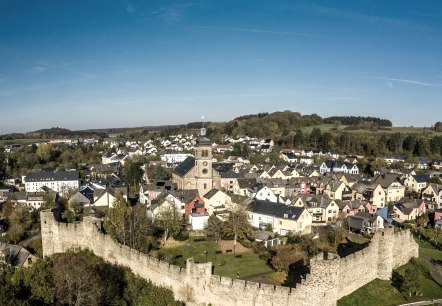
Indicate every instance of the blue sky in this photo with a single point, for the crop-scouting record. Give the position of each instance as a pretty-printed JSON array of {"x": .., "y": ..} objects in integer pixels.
[{"x": 97, "y": 64}]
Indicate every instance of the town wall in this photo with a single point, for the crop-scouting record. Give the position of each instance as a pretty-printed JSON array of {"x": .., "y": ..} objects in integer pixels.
[{"x": 330, "y": 278}]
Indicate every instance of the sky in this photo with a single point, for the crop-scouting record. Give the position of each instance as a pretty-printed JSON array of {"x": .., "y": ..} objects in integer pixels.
[{"x": 102, "y": 64}]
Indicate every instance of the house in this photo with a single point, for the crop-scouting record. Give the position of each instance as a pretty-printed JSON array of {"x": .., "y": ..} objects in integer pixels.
[
  {"x": 105, "y": 197},
  {"x": 323, "y": 209},
  {"x": 417, "y": 183},
  {"x": 216, "y": 201},
  {"x": 337, "y": 190},
  {"x": 265, "y": 193},
  {"x": 34, "y": 199},
  {"x": 393, "y": 188},
  {"x": 338, "y": 166},
  {"x": 433, "y": 193},
  {"x": 229, "y": 180},
  {"x": 423, "y": 163},
  {"x": 149, "y": 192},
  {"x": 436, "y": 164},
  {"x": 371, "y": 192},
  {"x": 246, "y": 187},
  {"x": 408, "y": 209},
  {"x": 351, "y": 208},
  {"x": 365, "y": 222},
  {"x": 194, "y": 206},
  {"x": 269, "y": 239},
  {"x": 282, "y": 218},
  {"x": 15, "y": 256},
  {"x": 59, "y": 181}
]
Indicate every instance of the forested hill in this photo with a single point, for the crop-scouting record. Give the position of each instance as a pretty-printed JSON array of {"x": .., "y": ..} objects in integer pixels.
[
  {"x": 274, "y": 124},
  {"x": 278, "y": 124},
  {"x": 52, "y": 133}
]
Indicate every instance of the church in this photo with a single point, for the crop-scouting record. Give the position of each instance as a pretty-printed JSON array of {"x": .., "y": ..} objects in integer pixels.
[{"x": 197, "y": 172}]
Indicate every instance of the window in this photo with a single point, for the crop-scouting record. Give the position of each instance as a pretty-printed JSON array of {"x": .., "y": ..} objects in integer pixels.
[{"x": 205, "y": 186}]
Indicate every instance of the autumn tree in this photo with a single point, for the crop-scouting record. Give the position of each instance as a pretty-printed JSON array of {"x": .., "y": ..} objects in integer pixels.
[
  {"x": 284, "y": 257},
  {"x": 76, "y": 280}
]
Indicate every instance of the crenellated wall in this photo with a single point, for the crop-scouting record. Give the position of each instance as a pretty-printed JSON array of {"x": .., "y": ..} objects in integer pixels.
[{"x": 329, "y": 279}]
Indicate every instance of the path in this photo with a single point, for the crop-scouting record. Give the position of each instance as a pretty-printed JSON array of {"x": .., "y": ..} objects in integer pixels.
[
  {"x": 259, "y": 278},
  {"x": 433, "y": 302},
  {"x": 434, "y": 270}
]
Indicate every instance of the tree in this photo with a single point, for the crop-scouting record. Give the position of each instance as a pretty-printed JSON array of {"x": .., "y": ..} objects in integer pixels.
[
  {"x": 170, "y": 221},
  {"x": 161, "y": 173},
  {"x": 284, "y": 257},
  {"x": 411, "y": 283},
  {"x": 76, "y": 280},
  {"x": 133, "y": 173},
  {"x": 44, "y": 152},
  {"x": 438, "y": 126},
  {"x": 214, "y": 227},
  {"x": 237, "y": 226},
  {"x": 20, "y": 220},
  {"x": 116, "y": 219}
]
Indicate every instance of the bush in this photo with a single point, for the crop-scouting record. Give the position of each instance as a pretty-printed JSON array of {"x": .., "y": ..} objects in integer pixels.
[{"x": 182, "y": 236}]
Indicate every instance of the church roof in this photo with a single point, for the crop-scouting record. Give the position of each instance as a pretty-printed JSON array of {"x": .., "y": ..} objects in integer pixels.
[{"x": 183, "y": 168}]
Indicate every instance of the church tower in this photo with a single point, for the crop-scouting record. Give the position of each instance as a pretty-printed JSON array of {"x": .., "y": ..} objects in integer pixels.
[{"x": 203, "y": 163}]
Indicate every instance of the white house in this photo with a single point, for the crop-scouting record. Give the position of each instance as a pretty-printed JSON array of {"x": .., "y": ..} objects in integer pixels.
[{"x": 59, "y": 181}]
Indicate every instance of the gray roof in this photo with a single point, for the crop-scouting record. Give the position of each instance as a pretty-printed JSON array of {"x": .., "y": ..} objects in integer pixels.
[
  {"x": 15, "y": 255},
  {"x": 53, "y": 176},
  {"x": 187, "y": 165},
  {"x": 275, "y": 209},
  {"x": 211, "y": 193}
]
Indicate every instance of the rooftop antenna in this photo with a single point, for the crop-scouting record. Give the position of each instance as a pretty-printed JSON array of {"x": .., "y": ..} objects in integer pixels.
[{"x": 203, "y": 129}]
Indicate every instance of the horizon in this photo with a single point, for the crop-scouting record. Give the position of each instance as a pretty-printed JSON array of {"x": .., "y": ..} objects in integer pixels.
[{"x": 84, "y": 66}]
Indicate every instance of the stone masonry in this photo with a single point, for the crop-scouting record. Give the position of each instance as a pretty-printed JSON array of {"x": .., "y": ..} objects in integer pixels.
[{"x": 330, "y": 278}]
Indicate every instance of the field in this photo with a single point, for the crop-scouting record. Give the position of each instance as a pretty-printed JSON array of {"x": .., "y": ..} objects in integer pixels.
[
  {"x": 22, "y": 142},
  {"x": 402, "y": 130},
  {"x": 380, "y": 292},
  {"x": 241, "y": 265}
]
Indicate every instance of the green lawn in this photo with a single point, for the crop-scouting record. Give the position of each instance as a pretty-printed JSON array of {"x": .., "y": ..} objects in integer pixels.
[
  {"x": 379, "y": 292},
  {"x": 224, "y": 264},
  {"x": 21, "y": 141}
]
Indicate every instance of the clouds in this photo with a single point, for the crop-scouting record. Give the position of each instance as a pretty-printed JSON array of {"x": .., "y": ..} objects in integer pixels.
[
  {"x": 172, "y": 13},
  {"x": 390, "y": 81},
  {"x": 258, "y": 31}
]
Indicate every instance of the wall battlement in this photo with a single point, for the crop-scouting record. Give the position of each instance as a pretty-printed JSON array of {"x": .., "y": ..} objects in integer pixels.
[{"x": 330, "y": 278}]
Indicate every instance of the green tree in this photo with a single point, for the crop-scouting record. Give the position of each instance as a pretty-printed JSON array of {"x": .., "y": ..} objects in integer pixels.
[
  {"x": 438, "y": 126},
  {"x": 116, "y": 221},
  {"x": 44, "y": 152},
  {"x": 133, "y": 173},
  {"x": 161, "y": 173},
  {"x": 411, "y": 283},
  {"x": 214, "y": 227},
  {"x": 237, "y": 226},
  {"x": 169, "y": 220}
]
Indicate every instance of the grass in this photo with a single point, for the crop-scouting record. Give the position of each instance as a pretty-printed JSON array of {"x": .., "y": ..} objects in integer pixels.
[
  {"x": 227, "y": 265},
  {"x": 377, "y": 292},
  {"x": 389, "y": 130},
  {"x": 21, "y": 141},
  {"x": 381, "y": 292}
]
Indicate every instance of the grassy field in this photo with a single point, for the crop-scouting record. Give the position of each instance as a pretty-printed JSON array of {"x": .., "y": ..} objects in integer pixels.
[
  {"x": 379, "y": 292},
  {"x": 225, "y": 264},
  {"x": 397, "y": 129},
  {"x": 21, "y": 141}
]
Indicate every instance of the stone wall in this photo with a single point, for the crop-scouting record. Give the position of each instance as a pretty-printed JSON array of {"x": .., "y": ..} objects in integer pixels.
[{"x": 330, "y": 277}]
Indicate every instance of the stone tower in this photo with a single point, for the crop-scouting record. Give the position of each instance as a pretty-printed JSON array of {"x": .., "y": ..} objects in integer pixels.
[{"x": 203, "y": 163}]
